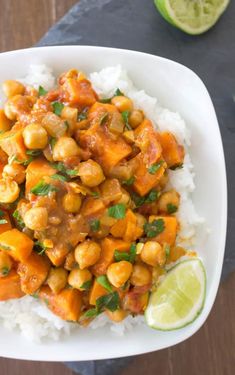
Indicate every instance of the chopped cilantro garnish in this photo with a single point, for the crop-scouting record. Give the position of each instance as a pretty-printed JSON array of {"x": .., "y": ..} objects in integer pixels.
[
  {"x": 41, "y": 91},
  {"x": 18, "y": 218},
  {"x": 95, "y": 194},
  {"x": 108, "y": 301},
  {"x": 95, "y": 225},
  {"x": 128, "y": 256},
  {"x": 86, "y": 285},
  {"x": 171, "y": 208},
  {"x": 42, "y": 188},
  {"x": 39, "y": 247},
  {"x": 154, "y": 228},
  {"x": 125, "y": 117},
  {"x": 155, "y": 167},
  {"x": 59, "y": 177},
  {"x": 34, "y": 153},
  {"x": 5, "y": 271},
  {"x": 130, "y": 181},
  {"x": 103, "y": 280},
  {"x": 57, "y": 108},
  {"x": 118, "y": 211}
]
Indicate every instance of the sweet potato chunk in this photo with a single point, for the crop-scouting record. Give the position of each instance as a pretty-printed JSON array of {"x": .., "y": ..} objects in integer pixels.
[
  {"x": 127, "y": 228},
  {"x": 172, "y": 152},
  {"x": 6, "y": 226},
  {"x": 169, "y": 234},
  {"x": 92, "y": 206},
  {"x": 35, "y": 172},
  {"x": 16, "y": 244},
  {"x": 145, "y": 181},
  {"x": 13, "y": 144},
  {"x": 57, "y": 254},
  {"x": 10, "y": 286},
  {"x": 66, "y": 304},
  {"x": 79, "y": 91},
  {"x": 108, "y": 246},
  {"x": 33, "y": 272},
  {"x": 97, "y": 291}
]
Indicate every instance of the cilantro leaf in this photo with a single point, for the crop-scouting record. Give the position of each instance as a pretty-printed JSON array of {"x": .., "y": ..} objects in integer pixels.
[
  {"x": 171, "y": 208},
  {"x": 177, "y": 166},
  {"x": 1, "y": 213},
  {"x": 130, "y": 181},
  {"x": 82, "y": 115},
  {"x": 125, "y": 117},
  {"x": 103, "y": 281},
  {"x": 118, "y": 211},
  {"x": 128, "y": 256},
  {"x": 86, "y": 285},
  {"x": 57, "y": 108},
  {"x": 60, "y": 167},
  {"x": 34, "y": 153},
  {"x": 155, "y": 167},
  {"x": 41, "y": 91},
  {"x": 105, "y": 100},
  {"x": 39, "y": 247},
  {"x": 95, "y": 225},
  {"x": 108, "y": 301},
  {"x": 42, "y": 188},
  {"x": 52, "y": 142},
  {"x": 91, "y": 313},
  {"x": 152, "y": 196},
  {"x": 18, "y": 218},
  {"x": 59, "y": 177},
  {"x": 118, "y": 93},
  {"x": 5, "y": 271},
  {"x": 104, "y": 118},
  {"x": 95, "y": 194},
  {"x": 154, "y": 228},
  {"x": 167, "y": 250}
]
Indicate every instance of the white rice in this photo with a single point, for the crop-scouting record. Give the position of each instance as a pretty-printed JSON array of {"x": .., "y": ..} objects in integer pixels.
[{"x": 28, "y": 314}]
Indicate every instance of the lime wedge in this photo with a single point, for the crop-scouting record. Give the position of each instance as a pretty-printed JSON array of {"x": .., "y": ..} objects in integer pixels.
[
  {"x": 192, "y": 16},
  {"x": 179, "y": 298}
]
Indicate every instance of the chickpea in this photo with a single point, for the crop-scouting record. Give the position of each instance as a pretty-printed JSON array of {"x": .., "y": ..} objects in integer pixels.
[
  {"x": 117, "y": 315},
  {"x": 36, "y": 218},
  {"x": 140, "y": 275},
  {"x": 35, "y": 136},
  {"x": 69, "y": 113},
  {"x": 118, "y": 273},
  {"x": 135, "y": 118},
  {"x": 72, "y": 202},
  {"x": 64, "y": 148},
  {"x": 169, "y": 199},
  {"x": 12, "y": 88},
  {"x": 5, "y": 123},
  {"x": 9, "y": 190},
  {"x": 163, "y": 181},
  {"x": 78, "y": 277},
  {"x": 125, "y": 198},
  {"x": 90, "y": 173},
  {"x": 5, "y": 264},
  {"x": 87, "y": 253},
  {"x": 15, "y": 171},
  {"x": 57, "y": 279},
  {"x": 122, "y": 103},
  {"x": 140, "y": 220},
  {"x": 15, "y": 105},
  {"x": 153, "y": 254}
]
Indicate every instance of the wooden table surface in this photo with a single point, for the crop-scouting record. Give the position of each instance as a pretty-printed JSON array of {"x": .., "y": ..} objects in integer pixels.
[{"x": 211, "y": 351}]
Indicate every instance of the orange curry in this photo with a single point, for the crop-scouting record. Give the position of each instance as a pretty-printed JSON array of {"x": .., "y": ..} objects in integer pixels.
[{"x": 86, "y": 222}]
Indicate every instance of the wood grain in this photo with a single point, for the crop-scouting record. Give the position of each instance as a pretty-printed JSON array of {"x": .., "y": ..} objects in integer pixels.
[{"x": 211, "y": 351}]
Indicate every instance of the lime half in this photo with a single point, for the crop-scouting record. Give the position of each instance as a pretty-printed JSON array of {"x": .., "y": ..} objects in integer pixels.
[
  {"x": 179, "y": 298},
  {"x": 192, "y": 16}
]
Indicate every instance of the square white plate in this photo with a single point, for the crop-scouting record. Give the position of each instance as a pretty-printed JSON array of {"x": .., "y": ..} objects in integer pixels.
[{"x": 179, "y": 89}]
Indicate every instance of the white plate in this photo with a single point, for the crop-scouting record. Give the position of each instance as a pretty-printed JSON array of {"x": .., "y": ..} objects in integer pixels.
[{"x": 179, "y": 89}]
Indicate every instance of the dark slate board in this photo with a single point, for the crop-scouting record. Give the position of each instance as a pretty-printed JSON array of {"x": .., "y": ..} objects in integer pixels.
[{"x": 136, "y": 25}]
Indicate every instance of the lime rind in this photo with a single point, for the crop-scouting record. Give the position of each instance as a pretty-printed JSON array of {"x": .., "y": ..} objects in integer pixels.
[
  {"x": 192, "y": 17},
  {"x": 155, "y": 313}
]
